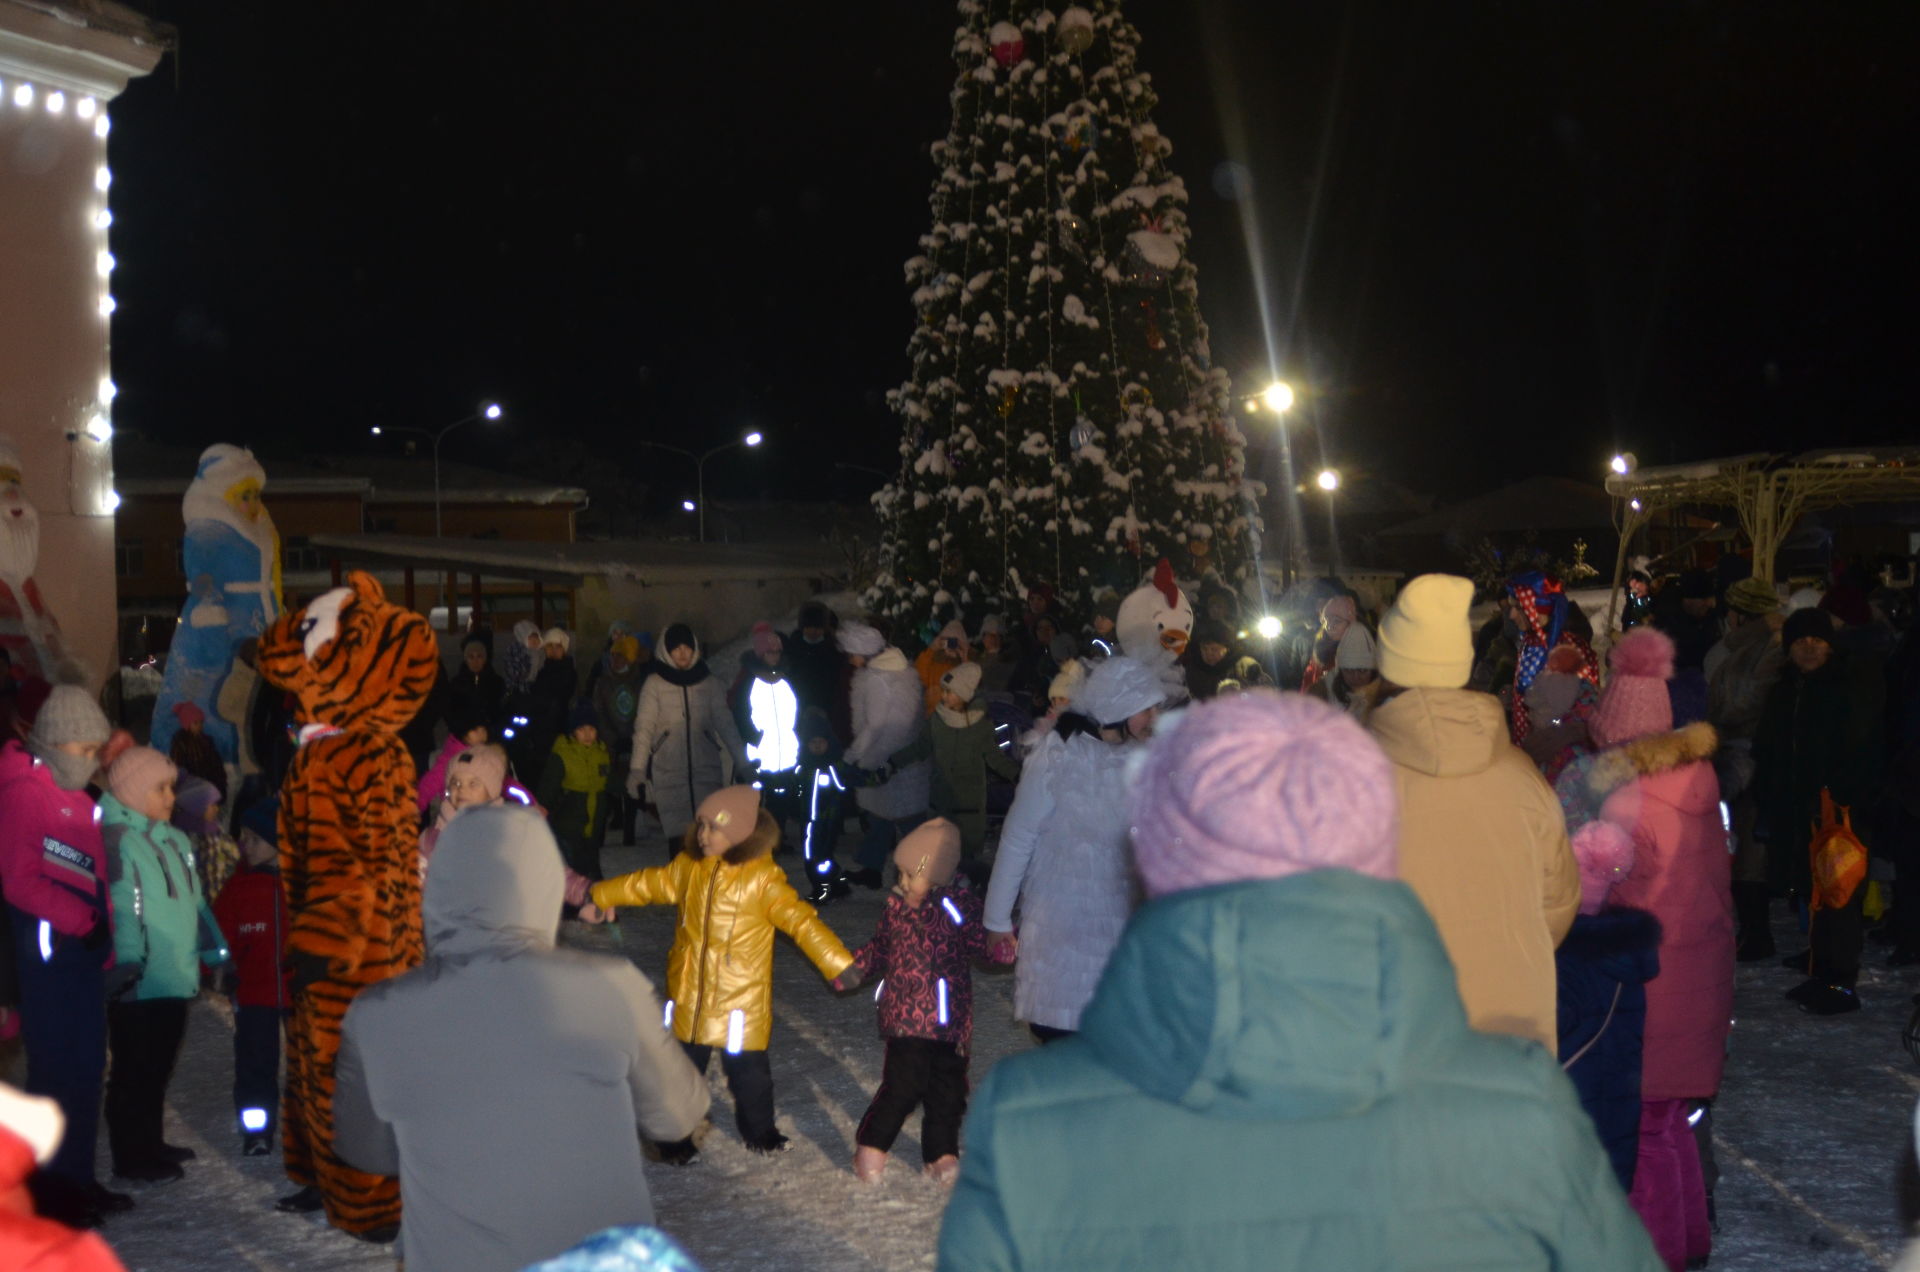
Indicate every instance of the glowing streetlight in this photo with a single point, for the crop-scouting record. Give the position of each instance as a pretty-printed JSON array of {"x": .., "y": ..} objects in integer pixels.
[
  {"x": 700, "y": 472},
  {"x": 1623, "y": 463},
  {"x": 1278, "y": 396},
  {"x": 487, "y": 411},
  {"x": 1328, "y": 480},
  {"x": 1268, "y": 627}
]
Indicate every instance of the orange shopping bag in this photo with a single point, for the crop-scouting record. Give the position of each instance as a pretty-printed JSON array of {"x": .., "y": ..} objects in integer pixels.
[{"x": 1838, "y": 858}]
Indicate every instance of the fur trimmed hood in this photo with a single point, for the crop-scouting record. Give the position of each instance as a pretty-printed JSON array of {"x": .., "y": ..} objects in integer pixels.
[{"x": 1613, "y": 768}]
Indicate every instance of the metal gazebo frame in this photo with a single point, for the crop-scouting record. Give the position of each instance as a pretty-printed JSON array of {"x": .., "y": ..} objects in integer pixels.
[{"x": 1769, "y": 492}]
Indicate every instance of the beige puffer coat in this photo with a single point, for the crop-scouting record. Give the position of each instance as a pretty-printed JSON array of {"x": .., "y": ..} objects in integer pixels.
[{"x": 1484, "y": 844}]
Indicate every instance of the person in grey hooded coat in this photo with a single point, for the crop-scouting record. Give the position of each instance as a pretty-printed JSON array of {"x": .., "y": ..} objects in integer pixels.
[
  {"x": 686, "y": 745},
  {"x": 503, "y": 1079}
]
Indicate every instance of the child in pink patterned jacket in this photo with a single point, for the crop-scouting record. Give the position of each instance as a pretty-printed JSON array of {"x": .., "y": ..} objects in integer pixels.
[{"x": 922, "y": 953}]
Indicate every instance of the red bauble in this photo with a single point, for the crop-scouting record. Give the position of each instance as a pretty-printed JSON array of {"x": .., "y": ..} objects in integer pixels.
[{"x": 1009, "y": 46}]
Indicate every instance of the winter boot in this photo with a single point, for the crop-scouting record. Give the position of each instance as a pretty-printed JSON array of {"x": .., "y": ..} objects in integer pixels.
[
  {"x": 1830, "y": 1000},
  {"x": 943, "y": 1170},
  {"x": 256, "y": 1144},
  {"x": 304, "y": 1202},
  {"x": 678, "y": 1152},
  {"x": 869, "y": 1164},
  {"x": 769, "y": 1144}
]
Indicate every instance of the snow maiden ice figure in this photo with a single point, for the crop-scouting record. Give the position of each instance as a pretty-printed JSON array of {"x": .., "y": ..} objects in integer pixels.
[{"x": 231, "y": 556}]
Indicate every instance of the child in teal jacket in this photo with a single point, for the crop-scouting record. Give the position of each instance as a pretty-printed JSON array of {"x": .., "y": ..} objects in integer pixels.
[{"x": 162, "y": 933}]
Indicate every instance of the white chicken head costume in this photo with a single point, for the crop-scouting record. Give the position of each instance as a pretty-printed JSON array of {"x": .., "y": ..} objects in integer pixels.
[{"x": 1156, "y": 617}]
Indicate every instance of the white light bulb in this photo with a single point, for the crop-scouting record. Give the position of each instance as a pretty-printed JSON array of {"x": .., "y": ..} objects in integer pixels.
[
  {"x": 104, "y": 263},
  {"x": 686, "y": 505},
  {"x": 102, "y": 178},
  {"x": 1278, "y": 396},
  {"x": 23, "y": 95},
  {"x": 100, "y": 429},
  {"x": 56, "y": 102},
  {"x": 1634, "y": 504},
  {"x": 112, "y": 501},
  {"x": 100, "y": 125},
  {"x": 102, "y": 219},
  {"x": 107, "y": 306},
  {"x": 1328, "y": 480},
  {"x": 753, "y": 439},
  {"x": 493, "y": 410},
  {"x": 85, "y": 107},
  {"x": 108, "y": 390},
  {"x": 1269, "y": 627}
]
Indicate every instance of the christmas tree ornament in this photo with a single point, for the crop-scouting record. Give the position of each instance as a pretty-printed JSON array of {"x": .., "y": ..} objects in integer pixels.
[
  {"x": 1009, "y": 394},
  {"x": 1155, "y": 340},
  {"x": 1136, "y": 395},
  {"x": 1152, "y": 256},
  {"x": 1082, "y": 433},
  {"x": 1075, "y": 31},
  {"x": 1009, "y": 46},
  {"x": 1081, "y": 136}
]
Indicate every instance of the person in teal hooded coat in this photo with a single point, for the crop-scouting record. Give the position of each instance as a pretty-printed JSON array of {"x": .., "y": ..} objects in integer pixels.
[
  {"x": 1276, "y": 1070},
  {"x": 162, "y": 932}
]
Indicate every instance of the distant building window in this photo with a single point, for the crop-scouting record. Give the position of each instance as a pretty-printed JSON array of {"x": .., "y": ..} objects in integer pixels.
[
  {"x": 298, "y": 554},
  {"x": 129, "y": 559}
]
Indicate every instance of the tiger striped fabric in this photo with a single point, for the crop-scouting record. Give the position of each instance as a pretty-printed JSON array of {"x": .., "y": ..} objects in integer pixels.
[{"x": 349, "y": 835}]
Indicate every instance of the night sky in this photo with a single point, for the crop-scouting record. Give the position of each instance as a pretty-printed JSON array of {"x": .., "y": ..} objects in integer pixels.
[{"x": 1498, "y": 238}]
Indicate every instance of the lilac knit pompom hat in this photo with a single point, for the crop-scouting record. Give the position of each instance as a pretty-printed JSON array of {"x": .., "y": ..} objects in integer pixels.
[{"x": 1262, "y": 785}]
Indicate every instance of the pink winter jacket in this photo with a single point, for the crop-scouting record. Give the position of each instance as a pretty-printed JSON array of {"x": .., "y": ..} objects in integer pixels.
[
  {"x": 1682, "y": 875},
  {"x": 53, "y": 865}
]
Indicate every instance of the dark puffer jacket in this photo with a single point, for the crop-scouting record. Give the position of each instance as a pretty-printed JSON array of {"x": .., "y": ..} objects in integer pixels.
[
  {"x": 1603, "y": 968},
  {"x": 919, "y": 948}
]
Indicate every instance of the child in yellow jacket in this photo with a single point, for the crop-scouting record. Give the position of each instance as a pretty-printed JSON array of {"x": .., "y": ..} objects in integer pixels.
[{"x": 731, "y": 897}]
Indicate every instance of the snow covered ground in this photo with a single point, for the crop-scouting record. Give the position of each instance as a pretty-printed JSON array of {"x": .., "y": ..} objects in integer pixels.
[{"x": 1813, "y": 1129}]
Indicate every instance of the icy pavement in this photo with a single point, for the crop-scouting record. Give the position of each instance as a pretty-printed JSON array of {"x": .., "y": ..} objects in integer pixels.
[{"x": 1813, "y": 1129}]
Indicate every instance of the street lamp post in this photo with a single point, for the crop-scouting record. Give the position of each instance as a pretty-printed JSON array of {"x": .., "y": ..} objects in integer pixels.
[
  {"x": 488, "y": 411},
  {"x": 700, "y": 468},
  {"x": 1278, "y": 398}
]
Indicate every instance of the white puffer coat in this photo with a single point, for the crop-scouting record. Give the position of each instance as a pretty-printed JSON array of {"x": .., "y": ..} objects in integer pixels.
[
  {"x": 888, "y": 709},
  {"x": 1064, "y": 854}
]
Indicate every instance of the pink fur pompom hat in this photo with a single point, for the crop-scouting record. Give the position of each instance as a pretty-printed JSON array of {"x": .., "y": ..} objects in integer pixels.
[
  {"x": 1262, "y": 785},
  {"x": 1635, "y": 703}
]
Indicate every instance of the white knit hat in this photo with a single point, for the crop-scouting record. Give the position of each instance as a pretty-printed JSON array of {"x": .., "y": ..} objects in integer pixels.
[
  {"x": 1426, "y": 641},
  {"x": 963, "y": 681},
  {"x": 1118, "y": 688},
  {"x": 557, "y": 636},
  {"x": 1356, "y": 650}
]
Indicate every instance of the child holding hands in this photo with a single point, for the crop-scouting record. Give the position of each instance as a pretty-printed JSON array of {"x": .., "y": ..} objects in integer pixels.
[
  {"x": 923, "y": 950},
  {"x": 732, "y": 898}
]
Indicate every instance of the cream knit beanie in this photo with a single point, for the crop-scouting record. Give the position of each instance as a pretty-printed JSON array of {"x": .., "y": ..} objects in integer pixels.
[{"x": 1426, "y": 641}]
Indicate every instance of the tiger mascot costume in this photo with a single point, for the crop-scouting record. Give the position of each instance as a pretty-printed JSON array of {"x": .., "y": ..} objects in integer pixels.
[{"x": 361, "y": 668}]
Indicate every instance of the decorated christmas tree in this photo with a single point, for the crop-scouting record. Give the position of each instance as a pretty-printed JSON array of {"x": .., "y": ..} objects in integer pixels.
[{"x": 1064, "y": 424}]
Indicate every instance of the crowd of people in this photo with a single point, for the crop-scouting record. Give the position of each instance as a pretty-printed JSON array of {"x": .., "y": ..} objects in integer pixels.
[{"x": 1389, "y": 893}]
